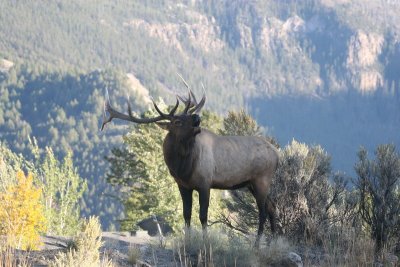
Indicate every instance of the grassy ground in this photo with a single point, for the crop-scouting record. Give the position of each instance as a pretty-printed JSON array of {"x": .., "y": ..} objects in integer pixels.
[{"x": 216, "y": 248}]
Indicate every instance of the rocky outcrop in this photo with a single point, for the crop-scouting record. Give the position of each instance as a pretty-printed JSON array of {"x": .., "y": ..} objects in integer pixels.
[
  {"x": 316, "y": 56},
  {"x": 200, "y": 31},
  {"x": 294, "y": 259},
  {"x": 364, "y": 49},
  {"x": 5, "y": 65},
  {"x": 280, "y": 40},
  {"x": 289, "y": 260},
  {"x": 138, "y": 88},
  {"x": 294, "y": 24},
  {"x": 363, "y": 61},
  {"x": 355, "y": 61},
  {"x": 275, "y": 32},
  {"x": 246, "y": 36}
]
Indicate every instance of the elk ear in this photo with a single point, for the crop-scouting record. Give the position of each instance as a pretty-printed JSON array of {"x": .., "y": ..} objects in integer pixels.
[{"x": 163, "y": 125}]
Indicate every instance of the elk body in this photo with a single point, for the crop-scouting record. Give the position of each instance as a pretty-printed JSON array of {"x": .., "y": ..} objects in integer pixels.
[{"x": 200, "y": 160}]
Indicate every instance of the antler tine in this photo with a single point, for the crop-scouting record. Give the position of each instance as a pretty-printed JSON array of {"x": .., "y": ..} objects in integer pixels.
[
  {"x": 158, "y": 110},
  {"x": 200, "y": 105},
  {"x": 185, "y": 101},
  {"x": 107, "y": 95},
  {"x": 204, "y": 89},
  {"x": 183, "y": 80},
  {"x": 172, "y": 112},
  {"x": 105, "y": 119},
  {"x": 194, "y": 98},
  {"x": 107, "y": 107},
  {"x": 182, "y": 99},
  {"x": 192, "y": 104},
  {"x": 188, "y": 103},
  {"x": 129, "y": 105}
]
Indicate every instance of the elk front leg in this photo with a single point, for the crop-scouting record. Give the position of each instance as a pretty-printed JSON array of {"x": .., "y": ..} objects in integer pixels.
[
  {"x": 186, "y": 195},
  {"x": 204, "y": 200}
]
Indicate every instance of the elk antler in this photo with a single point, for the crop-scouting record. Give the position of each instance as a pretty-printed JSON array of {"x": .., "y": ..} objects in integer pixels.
[
  {"x": 200, "y": 105},
  {"x": 172, "y": 112},
  {"x": 192, "y": 106},
  {"x": 129, "y": 117}
]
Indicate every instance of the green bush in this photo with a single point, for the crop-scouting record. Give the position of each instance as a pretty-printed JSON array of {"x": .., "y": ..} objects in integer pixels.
[{"x": 378, "y": 183}]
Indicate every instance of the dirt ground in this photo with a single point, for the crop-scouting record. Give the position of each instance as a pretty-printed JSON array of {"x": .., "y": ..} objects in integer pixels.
[{"x": 116, "y": 246}]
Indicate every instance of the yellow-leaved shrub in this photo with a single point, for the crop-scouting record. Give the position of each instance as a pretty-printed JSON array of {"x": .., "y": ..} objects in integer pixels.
[{"x": 22, "y": 213}]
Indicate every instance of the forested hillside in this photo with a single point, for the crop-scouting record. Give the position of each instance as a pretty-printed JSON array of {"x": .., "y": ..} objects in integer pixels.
[
  {"x": 320, "y": 71},
  {"x": 62, "y": 111}
]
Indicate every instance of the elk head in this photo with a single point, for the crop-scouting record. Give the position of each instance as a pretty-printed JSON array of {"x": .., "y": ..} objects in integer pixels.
[{"x": 182, "y": 125}]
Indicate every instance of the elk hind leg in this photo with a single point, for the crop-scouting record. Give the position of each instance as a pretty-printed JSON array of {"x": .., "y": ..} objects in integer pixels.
[
  {"x": 271, "y": 211},
  {"x": 260, "y": 196}
]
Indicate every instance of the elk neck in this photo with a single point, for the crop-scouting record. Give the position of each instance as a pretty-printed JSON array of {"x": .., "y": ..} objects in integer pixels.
[{"x": 180, "y": 156}]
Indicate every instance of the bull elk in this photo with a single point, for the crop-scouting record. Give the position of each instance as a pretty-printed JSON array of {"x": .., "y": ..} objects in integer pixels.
[{"x": 200, "y": 160}]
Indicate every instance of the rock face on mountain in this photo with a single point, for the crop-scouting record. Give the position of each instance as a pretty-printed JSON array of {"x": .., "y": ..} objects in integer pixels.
[
  {"x": 138, "y": 89},
  {"x": 5, "y": 65},
  {"x": 363, "y": 63},
  {"x": 246, "y": 49},
  {"x": 201, "y": 32},
  {"x": 314, "y": 52}
]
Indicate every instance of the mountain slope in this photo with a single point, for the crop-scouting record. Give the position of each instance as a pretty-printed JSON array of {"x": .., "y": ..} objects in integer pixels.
[{"x": 262, "y": 48}]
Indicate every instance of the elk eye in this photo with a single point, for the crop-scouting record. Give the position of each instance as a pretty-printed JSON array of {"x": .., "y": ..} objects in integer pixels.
[{"x": 178, "y": 123}]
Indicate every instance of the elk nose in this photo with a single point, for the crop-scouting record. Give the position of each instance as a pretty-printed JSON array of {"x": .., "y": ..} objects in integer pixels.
[{"x": 196, "y": 120}]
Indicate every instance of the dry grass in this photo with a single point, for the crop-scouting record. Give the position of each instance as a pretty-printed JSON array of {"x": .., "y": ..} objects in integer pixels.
[
  {"x": 8, "y": 257},
  {"x": 340, "y": 247},
  {"x": 217, "y": 249},
  {"x": 85, "y": 251},
  {"x": 222, "y": 249},
  {"x": 133, "y": 254},
  {"x": 346, "y": 248},
  {"x": 275, "y": 252}
]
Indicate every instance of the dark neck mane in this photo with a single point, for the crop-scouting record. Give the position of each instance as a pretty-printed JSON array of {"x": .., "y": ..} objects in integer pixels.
[{"x": 179, "y": 156}]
